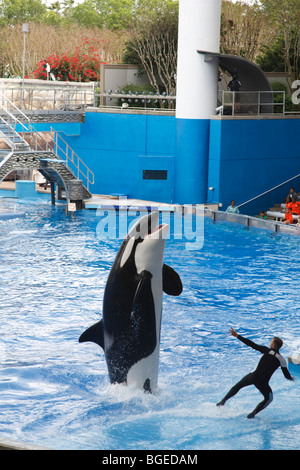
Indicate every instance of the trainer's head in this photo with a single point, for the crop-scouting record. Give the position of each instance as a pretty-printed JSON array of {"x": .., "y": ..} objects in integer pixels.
[{"x": 276, "y": 343}]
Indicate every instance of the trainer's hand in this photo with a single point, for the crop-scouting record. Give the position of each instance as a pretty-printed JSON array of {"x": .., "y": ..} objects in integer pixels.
[{"x": 233, "y": 332}]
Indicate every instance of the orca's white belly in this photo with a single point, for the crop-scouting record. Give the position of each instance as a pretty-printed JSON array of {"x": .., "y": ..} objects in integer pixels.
[{"x": 145, "y": 369}]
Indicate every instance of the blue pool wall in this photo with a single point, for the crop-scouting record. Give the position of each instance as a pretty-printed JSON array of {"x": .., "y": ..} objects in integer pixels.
[
  {"x": 118, "y": 147},
  {"x": 191, "y": 160},
  {"x": 245, "y": 157},
  {"x": 250, "y": 156}
]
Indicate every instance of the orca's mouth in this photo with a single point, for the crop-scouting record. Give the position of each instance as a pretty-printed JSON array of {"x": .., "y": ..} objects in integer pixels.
[
  {"x": 148, "y": 227},
  {"x": 159, "y": 231}
]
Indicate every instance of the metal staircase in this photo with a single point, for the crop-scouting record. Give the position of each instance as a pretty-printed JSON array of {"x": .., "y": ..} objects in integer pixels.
[
  {"x": 11, "y": 139},
  {"x": 24, "y": 148}
]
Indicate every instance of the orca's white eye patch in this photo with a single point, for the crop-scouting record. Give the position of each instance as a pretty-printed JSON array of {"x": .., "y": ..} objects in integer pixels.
[{"x": 127, "y": 251}]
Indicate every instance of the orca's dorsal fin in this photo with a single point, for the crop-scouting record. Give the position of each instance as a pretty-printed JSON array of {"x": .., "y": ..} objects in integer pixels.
[
  {"x": 172, "y": 284},
  {"x": 94, "y": 334}
]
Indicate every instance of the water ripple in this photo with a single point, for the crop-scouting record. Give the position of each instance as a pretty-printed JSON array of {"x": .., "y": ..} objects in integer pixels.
[{"x": 55, "y": 392}]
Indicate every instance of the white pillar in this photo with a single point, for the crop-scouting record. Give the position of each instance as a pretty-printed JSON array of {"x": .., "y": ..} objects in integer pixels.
[
  {"x": 196, "y": 96},
  {"x": 197, "y": 79}
]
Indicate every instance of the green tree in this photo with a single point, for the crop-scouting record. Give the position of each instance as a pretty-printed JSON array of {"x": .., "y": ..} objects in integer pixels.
[
  {"x": 86, "y": 15},
  {"x": 153, "y": 42},
  {"x": 272, "y": 57},
  {"x": 284, "y": 16},
  {"x": 242, "y": 27},
  {"x": 19, "y": 11},
  {"x": 115, "y": 14}
]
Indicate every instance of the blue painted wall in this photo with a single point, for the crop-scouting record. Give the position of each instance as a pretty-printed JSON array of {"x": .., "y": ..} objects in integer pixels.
[
  {"x": 191, "y": 160},
  {"x": 250, "y": 156},
  {"x": 246, "y": 157},
  {"x": 118, "y": 147}
]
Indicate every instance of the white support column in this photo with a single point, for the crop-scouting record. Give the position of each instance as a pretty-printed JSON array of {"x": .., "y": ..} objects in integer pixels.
[
  {"x": 196, "y": 96},
  {"x": 197, "y": 74}
]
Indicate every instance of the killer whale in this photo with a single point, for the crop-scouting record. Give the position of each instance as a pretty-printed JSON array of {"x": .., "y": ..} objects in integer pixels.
[{"x": 129, "y": 331}]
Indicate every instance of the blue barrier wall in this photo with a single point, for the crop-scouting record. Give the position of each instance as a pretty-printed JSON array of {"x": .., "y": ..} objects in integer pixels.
[
  {"x": 250, "y": 156},
  {"x": 119, "y": 147},
  {"x": 135, "y": 154},
  {"x": 191, "y": 161}
]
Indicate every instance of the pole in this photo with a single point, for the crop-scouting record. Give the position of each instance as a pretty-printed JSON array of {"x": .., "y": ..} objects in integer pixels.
[
  {"x": 52, "y": 186},
  {"x": 25, "y": 29},
  {"x": 196, "y": 96}
]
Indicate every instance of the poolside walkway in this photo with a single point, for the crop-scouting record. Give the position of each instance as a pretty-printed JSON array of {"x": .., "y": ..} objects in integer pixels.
[
  {"x": 119, "y": 202},
  {"x": 116, "y": 201},
  {"x": 109, "y": 202}
]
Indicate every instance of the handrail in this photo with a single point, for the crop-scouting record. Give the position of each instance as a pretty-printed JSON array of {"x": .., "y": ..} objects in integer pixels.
[
  {"x": 19, "y": 111},
  {"x": 55, "y": 145},
  {"x": 74, "y": 159},
  {"x": 11, "y": 121},
  {"x": 269, "y": 190},
  {"x": 63, "y": 98},
  {"x": 251, "y": 102},
  {"x": 78, "y": 99},
  {"x": 28, "y": 127}
]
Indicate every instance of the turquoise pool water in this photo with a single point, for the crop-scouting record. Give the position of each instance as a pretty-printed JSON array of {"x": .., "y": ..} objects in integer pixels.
[{"x": 55, "y": 392}]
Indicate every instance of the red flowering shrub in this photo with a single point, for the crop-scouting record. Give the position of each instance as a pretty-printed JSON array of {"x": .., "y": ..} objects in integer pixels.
[{"x": 83, "y": 65}]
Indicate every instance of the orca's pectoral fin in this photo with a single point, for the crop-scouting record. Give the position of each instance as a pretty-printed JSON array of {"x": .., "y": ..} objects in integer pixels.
[
  {"x": 94, "y": 334},
  {"x": 172, "y": 284}
]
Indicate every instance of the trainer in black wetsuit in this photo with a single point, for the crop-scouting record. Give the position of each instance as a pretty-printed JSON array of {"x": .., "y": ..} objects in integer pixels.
[{"x": 269, "y": 362}]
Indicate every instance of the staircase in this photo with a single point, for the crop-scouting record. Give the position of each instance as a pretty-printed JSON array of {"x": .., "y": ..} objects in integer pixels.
[
  {"x": 11, "y": 138},
  {"x": 25, "y": 148}
]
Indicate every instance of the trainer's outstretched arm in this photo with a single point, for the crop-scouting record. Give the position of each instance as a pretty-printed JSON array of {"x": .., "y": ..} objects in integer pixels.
[{"x": 233, "y": 332}]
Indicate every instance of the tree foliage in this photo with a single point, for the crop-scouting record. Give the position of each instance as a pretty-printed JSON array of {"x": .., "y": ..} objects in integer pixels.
[
  {"x": 153, "y": 43},
  {"x": 13, "y": 12},
  {"x": 265, "y": 31},
  {"x": 46, "y": 40},
  {"x": 243, "y": 27},
  {"x": 284, "y": 16}
]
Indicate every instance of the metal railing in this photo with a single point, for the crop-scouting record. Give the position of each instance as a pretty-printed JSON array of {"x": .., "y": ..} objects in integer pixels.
[
  {"x": 17, "y": 120},
  {"x": 12, "y": 138},
  {"x": 78, "y": 98},
  {"x": 73, "y": 98},
  {"x": 62, "y": 149},
  {"x": 268, "y": 191},
  {"x": 63, "y": 98},
  {"x": 251, "y": 102},
  {"x": 136, "y": 100}
]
